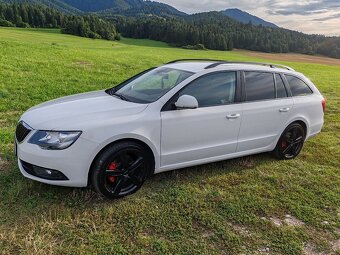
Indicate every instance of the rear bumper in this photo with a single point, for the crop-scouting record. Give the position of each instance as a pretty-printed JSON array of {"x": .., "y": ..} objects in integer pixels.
[{"x": 315, "y": 129}]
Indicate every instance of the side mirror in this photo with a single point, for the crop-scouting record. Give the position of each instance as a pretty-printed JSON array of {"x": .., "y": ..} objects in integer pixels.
[{"x": 186, "y": 102}]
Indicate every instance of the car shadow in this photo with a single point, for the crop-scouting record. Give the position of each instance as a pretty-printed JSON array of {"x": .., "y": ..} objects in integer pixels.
[
  {"x": 21, "y": 196},
  {"x": 16, "y": 188}
]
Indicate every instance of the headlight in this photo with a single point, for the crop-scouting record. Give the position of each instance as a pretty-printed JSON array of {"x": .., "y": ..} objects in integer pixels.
[{"x": 52, "y": 140}]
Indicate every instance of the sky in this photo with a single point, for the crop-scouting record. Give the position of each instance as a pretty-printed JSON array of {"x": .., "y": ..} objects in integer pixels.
[{"x": 308, "y": 16}]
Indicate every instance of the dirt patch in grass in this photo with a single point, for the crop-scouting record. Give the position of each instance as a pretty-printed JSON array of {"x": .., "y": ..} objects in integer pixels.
[
  {"x": 4, "y": 164},
  {"x": 289, "y": 220},
  {"x": 292, "y": 221},
  {"x": 240, "y": 229},
  {"x": 246, "y": 162},
  {"x": 336, "y": 246},
  {"x": 292, "y": 57},
  {"x": 276, "y": 221},
  {"x": 309, "y": 249}
]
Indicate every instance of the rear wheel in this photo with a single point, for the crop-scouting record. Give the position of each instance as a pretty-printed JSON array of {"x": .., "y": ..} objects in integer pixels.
[
  {"x": 291, "y": 142},
  {"x": 121, "y": 170}
]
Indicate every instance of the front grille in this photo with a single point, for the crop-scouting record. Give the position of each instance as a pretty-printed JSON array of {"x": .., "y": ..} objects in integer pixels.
[{"x": 22, "y": 131}]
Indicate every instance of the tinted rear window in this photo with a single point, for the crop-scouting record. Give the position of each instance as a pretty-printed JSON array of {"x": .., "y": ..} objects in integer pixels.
[
  {"x": 259, "y": 86},
  {"x": 298, "y": 87}
]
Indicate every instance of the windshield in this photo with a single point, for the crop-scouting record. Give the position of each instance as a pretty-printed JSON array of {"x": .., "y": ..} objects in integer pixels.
[{"x": 148, "y": 87}]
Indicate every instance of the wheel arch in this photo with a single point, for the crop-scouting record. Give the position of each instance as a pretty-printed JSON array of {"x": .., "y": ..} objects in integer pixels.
[
  {"x": 303, "y": 122},
  {"x": 135, "y": 140}
]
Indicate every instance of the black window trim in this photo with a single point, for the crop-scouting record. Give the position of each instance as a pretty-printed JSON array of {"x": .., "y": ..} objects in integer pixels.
[
  {"x": 284, "y": 85},
  {"x": 288, "y": 85},
  {"x": 238, "y": 91}
]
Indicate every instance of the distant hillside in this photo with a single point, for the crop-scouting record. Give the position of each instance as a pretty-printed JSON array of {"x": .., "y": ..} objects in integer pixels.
[
  {"x": 246, "y": 18},
  {"x": 158, "y": 21},
  {"x": 55, "y": 4},
  {"x": 140, "y": 7},
  {"x": 99, "y": 5},
  {"x": 107, "y": 7}
]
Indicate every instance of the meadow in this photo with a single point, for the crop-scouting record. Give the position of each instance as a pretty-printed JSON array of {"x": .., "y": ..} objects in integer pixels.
[{"x": 251, "y": 205}]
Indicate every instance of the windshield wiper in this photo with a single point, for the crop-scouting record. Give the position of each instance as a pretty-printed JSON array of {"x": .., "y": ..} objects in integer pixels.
[
  {"x": 113, "y": 92},
  {"x": 119, "y": 96}
]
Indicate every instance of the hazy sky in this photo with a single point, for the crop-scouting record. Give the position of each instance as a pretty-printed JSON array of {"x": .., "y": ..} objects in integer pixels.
[{"x": 308, "y": 16}]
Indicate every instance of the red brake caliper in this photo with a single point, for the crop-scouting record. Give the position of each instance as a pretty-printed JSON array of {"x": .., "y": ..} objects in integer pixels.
[
  {"x": 112, "y": 166},
  {"x": 283, "y": 144}
]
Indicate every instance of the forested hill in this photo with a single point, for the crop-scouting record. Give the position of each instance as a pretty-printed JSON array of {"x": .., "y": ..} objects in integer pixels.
[
  {"x": 152, "y": 20},
  {"x": 214, "y": 30},
  {"x": 143, "y": 8},
  {"x": 26, "y": 15},
  {"x": 107, "y": 7},
  {"x": 59, "y": 5}
]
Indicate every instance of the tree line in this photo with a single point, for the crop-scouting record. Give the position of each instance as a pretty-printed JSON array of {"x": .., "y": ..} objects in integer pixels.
[
  {"x": 211, "y": 30},
  {"x": 36, "y": 16},
  {"x": 218, "y": 32}
]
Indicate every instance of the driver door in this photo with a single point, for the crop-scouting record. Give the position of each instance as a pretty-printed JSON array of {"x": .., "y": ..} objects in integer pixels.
[{"x": 207, "y": 132}]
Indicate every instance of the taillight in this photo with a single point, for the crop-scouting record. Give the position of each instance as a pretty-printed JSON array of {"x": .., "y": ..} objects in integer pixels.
[{"x": 323, "y": 103}]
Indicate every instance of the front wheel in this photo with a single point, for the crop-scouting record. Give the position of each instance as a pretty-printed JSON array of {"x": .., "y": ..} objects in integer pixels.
[
  {"x": 120, "y": 170},
  {"x": 290, "y": 143}
]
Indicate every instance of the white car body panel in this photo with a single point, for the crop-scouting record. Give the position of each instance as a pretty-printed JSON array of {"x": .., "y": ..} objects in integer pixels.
[
  {"x": 177, "y": 139},
  {"x": 262, "y": 122},
  {"x": 189, "y": 135}
]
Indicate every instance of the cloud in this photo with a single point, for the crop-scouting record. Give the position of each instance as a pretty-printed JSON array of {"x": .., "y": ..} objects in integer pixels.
[
  {"x": 303, "y": 7},
  {"x": 334, "y": 16},
  {"x": 194, "y": 6},
  {"x": 309, "y": 16}
]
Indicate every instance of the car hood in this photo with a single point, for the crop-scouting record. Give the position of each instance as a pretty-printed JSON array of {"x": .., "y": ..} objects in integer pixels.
[{"x": 75, "y": 112}]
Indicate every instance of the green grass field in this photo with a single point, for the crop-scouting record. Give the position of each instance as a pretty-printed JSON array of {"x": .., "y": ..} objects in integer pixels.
[{"x": 237, "y": 206}]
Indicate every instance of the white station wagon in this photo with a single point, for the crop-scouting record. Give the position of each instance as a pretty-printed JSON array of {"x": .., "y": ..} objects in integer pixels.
[{"x": 184, "y": 113}]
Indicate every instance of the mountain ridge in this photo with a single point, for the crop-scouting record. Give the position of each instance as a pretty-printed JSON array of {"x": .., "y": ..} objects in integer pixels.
[
  {"x": 245, "y": 17},
  {"x": 109, "y": 8}
]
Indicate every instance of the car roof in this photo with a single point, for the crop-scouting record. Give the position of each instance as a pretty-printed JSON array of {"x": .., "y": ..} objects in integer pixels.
[{"x": 197, "y": 66}]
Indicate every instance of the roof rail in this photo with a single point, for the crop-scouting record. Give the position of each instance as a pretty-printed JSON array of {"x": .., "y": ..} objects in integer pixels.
[
  {"x": 250, "y": 63},
  {"x": 223, "y": 62},
  {"x": 193, "y": 59}
]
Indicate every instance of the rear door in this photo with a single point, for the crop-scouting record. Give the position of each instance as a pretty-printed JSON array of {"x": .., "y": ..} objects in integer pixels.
[
  {"x": 266, "y": 109},
  {"x": 209, "y": 131}
]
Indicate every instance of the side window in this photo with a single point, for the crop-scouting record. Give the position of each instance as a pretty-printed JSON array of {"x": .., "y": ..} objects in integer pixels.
[
  {"x": 280, "y": 87},
  {"x": 298, "y": 87},
  {"x": 213, "y": 89},
  {"x": 259, "y": 86}
]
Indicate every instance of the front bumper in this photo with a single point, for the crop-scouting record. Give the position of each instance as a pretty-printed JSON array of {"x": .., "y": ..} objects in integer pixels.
[{"x": 74, "y": 162}]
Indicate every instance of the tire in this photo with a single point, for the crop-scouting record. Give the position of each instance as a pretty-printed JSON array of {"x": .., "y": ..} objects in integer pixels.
[
  {"x": 121, "y": 170},
  {"x": 290, "y": 143}
]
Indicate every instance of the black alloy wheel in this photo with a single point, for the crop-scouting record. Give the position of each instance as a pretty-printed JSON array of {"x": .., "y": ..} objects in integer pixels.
[
  {"x": 121, "y": 170},
  {"x": 291, "y": 142}
]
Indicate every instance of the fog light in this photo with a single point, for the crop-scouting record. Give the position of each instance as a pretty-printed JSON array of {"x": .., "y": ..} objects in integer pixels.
[{"x": 44, "y": 173}]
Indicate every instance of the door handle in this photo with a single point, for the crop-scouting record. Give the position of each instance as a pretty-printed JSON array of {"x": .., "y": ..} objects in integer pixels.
[
  {"x": 233, "y": 116},
  {"x": 284, "y": 109}
]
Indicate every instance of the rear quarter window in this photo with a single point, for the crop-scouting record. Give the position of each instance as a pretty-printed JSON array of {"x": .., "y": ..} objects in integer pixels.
[{"x": 297, "y": 86}]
